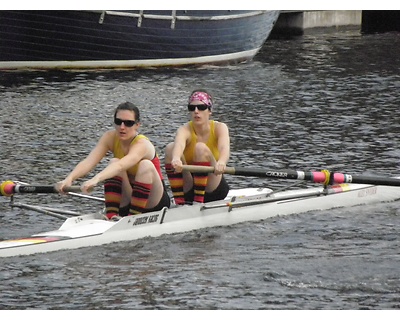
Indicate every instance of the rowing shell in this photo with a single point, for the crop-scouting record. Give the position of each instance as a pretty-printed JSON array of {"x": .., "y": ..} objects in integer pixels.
[{"x": 241, "y": 205}]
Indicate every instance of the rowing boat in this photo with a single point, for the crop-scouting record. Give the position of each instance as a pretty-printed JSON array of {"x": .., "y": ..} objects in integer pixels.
[{"x": 241, "y": 205}]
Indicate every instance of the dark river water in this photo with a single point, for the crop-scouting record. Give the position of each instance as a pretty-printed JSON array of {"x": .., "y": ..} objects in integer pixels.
[{"x": 322, "y": 101}]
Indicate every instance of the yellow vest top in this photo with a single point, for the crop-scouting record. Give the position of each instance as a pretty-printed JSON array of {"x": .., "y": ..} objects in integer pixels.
[
  {"x": 119, "y": 153},
  {"x": 212, "y": 143}
]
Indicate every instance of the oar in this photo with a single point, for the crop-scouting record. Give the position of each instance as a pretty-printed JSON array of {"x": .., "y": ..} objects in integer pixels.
[
  {"x": 9, "y": 188},
  {"x": 324, "y": 176},
  {"x": 40, "y": 209},
  {"x": 71, "y": 193}
]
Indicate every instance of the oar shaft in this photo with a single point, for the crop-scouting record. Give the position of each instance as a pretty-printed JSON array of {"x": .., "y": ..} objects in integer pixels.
[
  {"x": 8, "y": 188},
  {"x": 376, "y": 180},
  {"x": 313, "y": 176},
  {"x": 251, "y": 172},
  {"x": 43, "y": 189}
]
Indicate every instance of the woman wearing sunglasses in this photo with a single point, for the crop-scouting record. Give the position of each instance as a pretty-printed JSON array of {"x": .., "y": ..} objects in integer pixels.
[
  {"x": 133, "y": 182},
  {"x": 202, "y": 142}
]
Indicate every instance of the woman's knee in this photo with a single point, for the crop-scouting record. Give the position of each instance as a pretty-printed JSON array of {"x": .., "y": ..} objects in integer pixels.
[
  {"x": 146, "y": 172},
  {"x": 145, "y": 165},
  {"x": 202, "y": 151}
]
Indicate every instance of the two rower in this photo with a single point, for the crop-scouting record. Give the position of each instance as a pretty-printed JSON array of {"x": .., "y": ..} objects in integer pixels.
[{"x": 133, "y": 182}]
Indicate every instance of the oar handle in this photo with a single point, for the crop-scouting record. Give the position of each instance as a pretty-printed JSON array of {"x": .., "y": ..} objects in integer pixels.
[
  {"x": 9, "y": 188},
  {"x": 206, "y": 169}
]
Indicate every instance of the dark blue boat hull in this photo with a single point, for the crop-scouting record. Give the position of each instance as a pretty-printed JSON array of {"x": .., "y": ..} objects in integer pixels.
[{"x": 184, "y": 37}]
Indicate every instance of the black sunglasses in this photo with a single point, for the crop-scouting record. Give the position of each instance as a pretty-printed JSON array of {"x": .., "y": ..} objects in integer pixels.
[
  {"x": 127, "y": 123},
  {"x": 200, "y": 107}
]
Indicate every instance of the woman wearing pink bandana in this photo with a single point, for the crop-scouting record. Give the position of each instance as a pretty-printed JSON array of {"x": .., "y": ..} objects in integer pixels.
[{"x": 202, "y": 142}]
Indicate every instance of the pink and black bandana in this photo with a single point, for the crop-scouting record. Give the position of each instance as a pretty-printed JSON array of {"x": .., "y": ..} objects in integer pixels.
[{"x": 201, "y": 96}]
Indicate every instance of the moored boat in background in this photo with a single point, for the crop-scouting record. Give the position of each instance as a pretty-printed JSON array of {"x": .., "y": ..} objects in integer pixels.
[{"x": 73, "y": 39}]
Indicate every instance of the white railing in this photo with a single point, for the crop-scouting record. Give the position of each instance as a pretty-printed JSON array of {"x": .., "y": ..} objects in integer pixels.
[{"x": 173, "y": 17}]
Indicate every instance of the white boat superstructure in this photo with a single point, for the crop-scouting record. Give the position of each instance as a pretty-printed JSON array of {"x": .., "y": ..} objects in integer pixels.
[{"x": 241, "y": 205}]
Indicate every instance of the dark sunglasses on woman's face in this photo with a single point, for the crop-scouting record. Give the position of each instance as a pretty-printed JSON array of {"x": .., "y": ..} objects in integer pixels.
[
  {"x": 200, "y": 107},
  {"x": 127, "y": 123}
]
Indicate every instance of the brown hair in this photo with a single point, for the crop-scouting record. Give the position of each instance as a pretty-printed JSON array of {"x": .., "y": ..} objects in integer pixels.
[{"x": 130, "y": 107}]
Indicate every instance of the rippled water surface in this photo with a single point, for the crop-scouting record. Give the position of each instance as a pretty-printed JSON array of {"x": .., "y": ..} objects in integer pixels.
[{"x": 325, "y": 101}]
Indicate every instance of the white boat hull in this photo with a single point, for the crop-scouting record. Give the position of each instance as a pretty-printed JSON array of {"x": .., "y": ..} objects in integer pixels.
[{"x": 92, "y": 230}]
